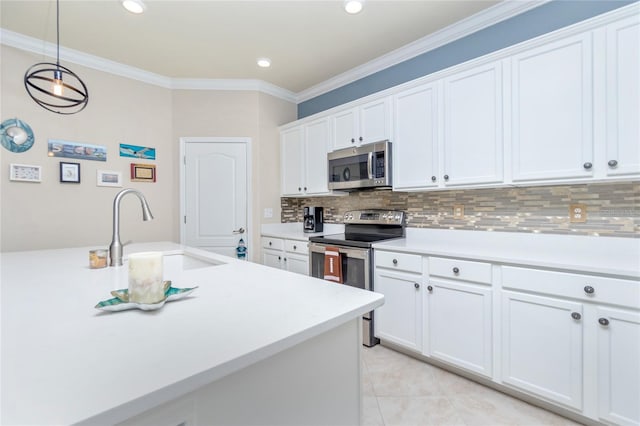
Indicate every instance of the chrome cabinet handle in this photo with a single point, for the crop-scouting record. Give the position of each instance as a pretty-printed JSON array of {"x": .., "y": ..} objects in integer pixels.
[
  {"x": 416, "y": 285},
  {"x": 603, "y": 321},
  {"x": 241, "y": 231},
  {"x": 575, "y": 315},
  {"x": 587, "y": 165},
  {"x": 395, "y": 261},
  {"x": 456, "y": 270},
  {"x": 430, "y": 288},
  {"x": 589, "y": 290},
  {"x": 433, "y": 178},
  {"x": 612, "y": 163}
]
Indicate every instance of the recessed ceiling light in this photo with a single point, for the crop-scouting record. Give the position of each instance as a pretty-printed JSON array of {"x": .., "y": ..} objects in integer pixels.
[
  {"x": 264, "y": 62},
  {"x": 134, "y": 6},
  {"x": 353, "y": 6}
]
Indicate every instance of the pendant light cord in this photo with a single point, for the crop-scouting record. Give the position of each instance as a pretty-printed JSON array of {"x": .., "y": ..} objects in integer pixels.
[{"x": 58, "y": 33}]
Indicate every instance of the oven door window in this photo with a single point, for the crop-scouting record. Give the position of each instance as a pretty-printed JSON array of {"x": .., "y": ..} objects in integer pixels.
[{"x": 350, "y": 169}]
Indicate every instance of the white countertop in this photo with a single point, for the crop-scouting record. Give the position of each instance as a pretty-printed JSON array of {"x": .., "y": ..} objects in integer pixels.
[
  {"x": 63, "y": 361},
  {"x": 294, "y": 231},
  {"x": 599, "y": 255}
]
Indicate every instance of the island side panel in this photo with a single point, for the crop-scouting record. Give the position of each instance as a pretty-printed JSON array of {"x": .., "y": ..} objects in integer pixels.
[{"x": 317, "y": 382}]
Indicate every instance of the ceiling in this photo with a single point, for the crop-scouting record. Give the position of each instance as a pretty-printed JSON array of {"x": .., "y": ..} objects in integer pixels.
[{"x": 308, "y": 42}]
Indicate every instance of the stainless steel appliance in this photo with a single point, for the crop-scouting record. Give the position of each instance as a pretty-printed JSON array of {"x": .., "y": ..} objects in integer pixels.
[
  {"x": 368, "y": 166},
  {"x": 313, "y": 220},
  {"x": 362, "y": 229}
]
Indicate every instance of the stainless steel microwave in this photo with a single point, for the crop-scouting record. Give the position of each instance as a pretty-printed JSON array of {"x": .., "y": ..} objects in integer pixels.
[{"x": 367, "y": 166}]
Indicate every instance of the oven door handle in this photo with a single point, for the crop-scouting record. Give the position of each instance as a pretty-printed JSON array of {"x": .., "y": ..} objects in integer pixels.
[
  {"x": 370, "y": 165},
  {"x": 350, "y": 252}
]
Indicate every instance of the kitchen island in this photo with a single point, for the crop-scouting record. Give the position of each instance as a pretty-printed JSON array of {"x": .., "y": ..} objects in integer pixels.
[{"x": 251, "y": 345}]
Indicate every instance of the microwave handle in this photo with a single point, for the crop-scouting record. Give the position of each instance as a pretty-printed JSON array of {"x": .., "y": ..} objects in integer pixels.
[{"x": 370, "y": 165}]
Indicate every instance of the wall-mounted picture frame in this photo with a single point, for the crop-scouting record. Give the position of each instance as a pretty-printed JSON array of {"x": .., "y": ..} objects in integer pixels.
[
  {"x": 143, "y": 172},
  {"x": 135, "y": 151},
  {"x": 25, "y": 173},
  {"x": 69, "y": 172},
  {"x": 77, "y": 150},
  {"x": 109, "y": 178}
]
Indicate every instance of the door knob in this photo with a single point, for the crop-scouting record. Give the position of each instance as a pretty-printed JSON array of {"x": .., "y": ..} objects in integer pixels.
[{"x": 241, "y": 231}]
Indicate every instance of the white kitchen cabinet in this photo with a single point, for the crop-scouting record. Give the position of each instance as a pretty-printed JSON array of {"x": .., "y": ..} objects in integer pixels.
[
  {"x": 473, "y": 127},
  {"x": 458, "y": 325},
  {"x": 623, "y": 98},
  {"x": 399, "y": 320},
  {"x": 542, "y": 346},
  {"x": 618, "y": 365},
  {"x": 290, "y": 255},
  {"x": 303, "y": 159},
  {"x": 366, "y": 123},
  {"x": 415, "y": 142},
  {"x": 552, "y": 111}
]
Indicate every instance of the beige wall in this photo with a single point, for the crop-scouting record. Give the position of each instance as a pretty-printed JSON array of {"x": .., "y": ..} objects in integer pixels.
[
  {"x": 51, "y": 214},
  {"x": 198, "y": 113}
]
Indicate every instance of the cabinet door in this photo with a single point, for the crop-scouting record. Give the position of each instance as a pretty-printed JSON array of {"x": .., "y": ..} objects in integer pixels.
[
  {"x": 415, "y": 145},
  {"x": 297, "y": 263},
  {"x": 272, "y": 258},
  {"x": 292, "y": 161},
  {"x": 552, "y": 111},
  {"x": 542, "y": 346},
  {"x": 316, "y": 168},
  {"x": 375, "y": 121},
  {"x": 459, "y": 325},
  {"x": 345, "y": 128},
  {"x": 473, "y": 126},
  {"x": 399, "y": 320},
  {"x": 619, "y": 366},
  {"x": 623, "y": 98}
]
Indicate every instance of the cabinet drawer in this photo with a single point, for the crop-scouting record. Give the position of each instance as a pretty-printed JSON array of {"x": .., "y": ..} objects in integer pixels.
[
  {"x": 399, "y": 261},
  {"x": 460, "y": 269},
  {"x": 273, "y": 243},
  {"x": 583, "y": 287},
  {"x": 295, "y": 246}
]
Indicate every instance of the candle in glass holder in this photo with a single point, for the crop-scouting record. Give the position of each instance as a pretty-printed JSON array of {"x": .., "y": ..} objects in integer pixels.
[{"x": 145, "y": 277}]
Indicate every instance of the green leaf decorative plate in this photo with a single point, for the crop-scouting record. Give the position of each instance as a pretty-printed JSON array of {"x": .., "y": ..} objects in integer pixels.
[{"x": 121, "y": 300}]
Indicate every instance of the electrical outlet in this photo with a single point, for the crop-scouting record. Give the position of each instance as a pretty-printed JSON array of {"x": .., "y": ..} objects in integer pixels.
[
  {"x": 268, "y": 212},
  {"x": 458, "y": 211},
  {"x": 577, "y": 213}
]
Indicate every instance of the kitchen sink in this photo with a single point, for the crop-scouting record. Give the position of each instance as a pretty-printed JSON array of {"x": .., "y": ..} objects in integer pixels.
[{"x": 187, "y": 261}]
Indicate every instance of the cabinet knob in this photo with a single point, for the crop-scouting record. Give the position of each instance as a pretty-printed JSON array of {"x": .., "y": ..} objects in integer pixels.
[
  {"x": 603, "y": 321},
  {"x": 299, "y": 189},
  {"x": 270, "y": 243},
  {"x": 353, "y": 140},
  {"x": 285, "y": 259},
  {"x": 305, "y": 188},
  {"x": 433, "y": 178},
  {"x": 575, "y": 315},
  {"x": 446, "y": 177},
  {"x": 587, "y": 165},
  {"x": 589, "y": 290},
  {"x": 416, "y": 285},
  {"x": 612, "y": 163},
  {"x": 295, "y": 247},
  {"x": 395, "y": 261},
  {"x": 360, "y": 138},
  {"x": 429, "y": 288},
  {"x": 279, "y": 258},
  {"x": 456, "y": 270}
]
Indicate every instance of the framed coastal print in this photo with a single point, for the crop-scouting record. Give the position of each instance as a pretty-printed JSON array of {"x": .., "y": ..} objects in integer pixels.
[
  {"x": 69, "y": 172},
  {"x": 108, "y": 178},
  {"x": 143, "y": 172},
  {"x": 25, "y": 173}
]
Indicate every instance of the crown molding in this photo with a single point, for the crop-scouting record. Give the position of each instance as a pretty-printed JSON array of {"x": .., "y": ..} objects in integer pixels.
[
  {"x": 233, "y": 84},
  {"x": 500, "y": 12}
]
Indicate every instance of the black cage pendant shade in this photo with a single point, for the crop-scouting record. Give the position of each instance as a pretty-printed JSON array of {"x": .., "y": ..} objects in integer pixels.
[{"x": 54, "y": 87}]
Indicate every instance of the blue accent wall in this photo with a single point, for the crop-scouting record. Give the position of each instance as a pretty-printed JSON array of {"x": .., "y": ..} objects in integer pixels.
[{"x": 535, "y": 22}]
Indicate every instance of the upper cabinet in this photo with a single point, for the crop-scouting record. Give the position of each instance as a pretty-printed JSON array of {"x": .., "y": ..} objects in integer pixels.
[
  {"x": 367, "y": 123},
  {"x": 552, "y": 111},
  {"x": 303, "y": 152},
  {"x": 473, "y": 117},
  {"x": 623, "y": 96}
]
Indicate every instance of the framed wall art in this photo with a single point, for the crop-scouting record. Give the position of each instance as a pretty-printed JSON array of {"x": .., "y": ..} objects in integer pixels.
[
  {"x": 108, "y": 178},
  {"x": 143, "y": 172},
  {"x": 76, "y": 150},
  {"x": 69, "y": 172},
  {"x": 25, "y": 173}
]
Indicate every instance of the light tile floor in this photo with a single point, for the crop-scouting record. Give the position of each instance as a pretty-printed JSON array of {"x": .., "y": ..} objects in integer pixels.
[{"x": 400, "y": 390}]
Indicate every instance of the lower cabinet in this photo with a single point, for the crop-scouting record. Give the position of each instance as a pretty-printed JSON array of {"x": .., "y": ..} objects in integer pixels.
[
  {"x": 458, "y": 325},
  {"x": 290, "y": 255},
  {"x": 399, "y": 320},
  {"x": 542, "y": 346}
]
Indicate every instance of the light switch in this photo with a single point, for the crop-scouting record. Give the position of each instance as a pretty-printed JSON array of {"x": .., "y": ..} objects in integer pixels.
[
  {"x": 458, "y": 211},
  {"x": 577, "y": 213},
  {"x": 268, "y": 212}
]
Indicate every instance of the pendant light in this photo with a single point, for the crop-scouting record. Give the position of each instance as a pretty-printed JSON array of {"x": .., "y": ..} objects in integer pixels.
[{"x": 54, "y": 87}]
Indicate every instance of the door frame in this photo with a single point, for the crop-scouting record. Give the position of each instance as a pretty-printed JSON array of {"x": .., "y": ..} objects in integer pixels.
[{"x": 183, "y": 207}]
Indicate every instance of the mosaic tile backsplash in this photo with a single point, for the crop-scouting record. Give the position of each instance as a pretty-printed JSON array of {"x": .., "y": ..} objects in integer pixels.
[{"x": 613, "y": 209}]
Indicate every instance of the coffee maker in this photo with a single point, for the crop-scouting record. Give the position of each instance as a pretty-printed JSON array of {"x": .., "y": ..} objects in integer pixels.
[{"x": 312, "y": 219}]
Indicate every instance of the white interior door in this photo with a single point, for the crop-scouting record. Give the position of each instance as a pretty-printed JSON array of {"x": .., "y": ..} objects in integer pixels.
[{"x": 215, "y": 190}]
